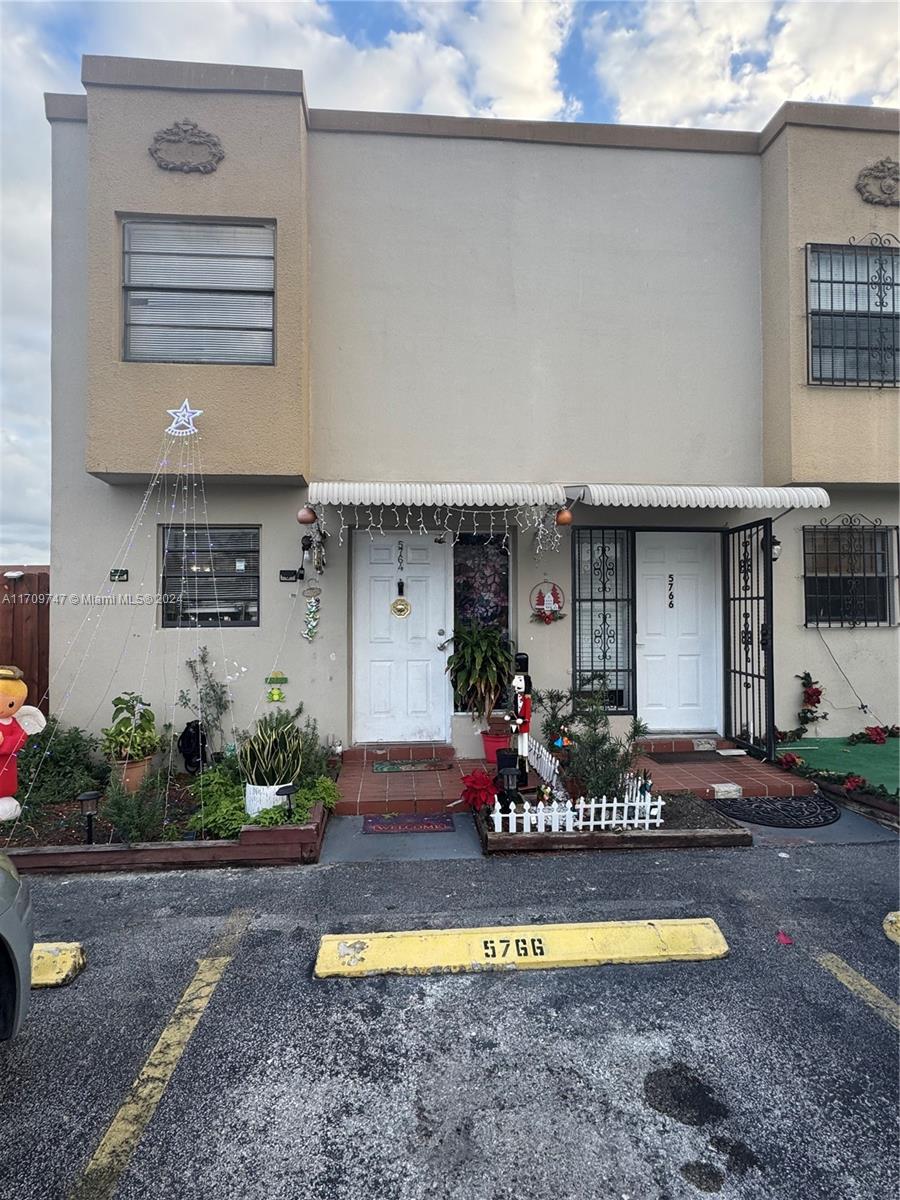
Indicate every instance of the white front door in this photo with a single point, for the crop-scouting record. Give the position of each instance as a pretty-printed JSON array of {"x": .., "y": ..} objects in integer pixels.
[
  {"x": 679, "y": 674},
  {"x": 401, "y": 692}
]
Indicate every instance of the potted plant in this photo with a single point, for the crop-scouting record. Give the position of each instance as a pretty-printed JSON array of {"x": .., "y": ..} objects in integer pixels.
[
  {"x": 131, "y": 740},
  {"x": 269, "y": 758},
  {"x": 481, "y": 668}
]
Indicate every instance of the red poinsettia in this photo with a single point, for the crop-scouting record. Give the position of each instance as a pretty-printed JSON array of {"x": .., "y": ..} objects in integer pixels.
[
  {"x": 479, "y": 790},
  {"x": 788, "y": 761},
  {"x": 854, "y": 783},
  {"x": 876, "y": 734}
]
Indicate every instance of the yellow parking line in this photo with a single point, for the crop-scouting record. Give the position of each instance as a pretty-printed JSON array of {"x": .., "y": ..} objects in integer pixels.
[
  {"x": 518, "y": 947},
  {"x": 117, "y": 1145},
  {"x": 883, "y": 1005}
]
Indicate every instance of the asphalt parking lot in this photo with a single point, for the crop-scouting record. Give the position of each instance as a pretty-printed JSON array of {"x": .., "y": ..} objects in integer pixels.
[{"x": 760, "y": 1075}]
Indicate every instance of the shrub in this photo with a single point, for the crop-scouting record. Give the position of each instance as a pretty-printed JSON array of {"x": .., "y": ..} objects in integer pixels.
[
  {"x": 222, "y": 813},
  {"x": 220, "y": 792},
  {"x": 599, "y": 762},
  {"x": 58, "y": 764},
  {"x": 322, "y": 791},
  {"x": 315, "y": 755},
  {"x": 210, "y": 699},
  {"x": 138, "y": 816}
]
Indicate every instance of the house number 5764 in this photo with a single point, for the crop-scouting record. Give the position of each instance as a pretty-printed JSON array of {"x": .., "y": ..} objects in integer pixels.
[{"x": 671, "y": 591}]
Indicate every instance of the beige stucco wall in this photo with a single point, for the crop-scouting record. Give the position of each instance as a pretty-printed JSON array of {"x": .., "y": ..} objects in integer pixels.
[
  {"x": 870, "y": 657},
  {"x": 97, "y": 651},
  {"x": 503, "y": 311},
  {"x": 255, "y": 420},
  {"x": 819, "y": 433}
]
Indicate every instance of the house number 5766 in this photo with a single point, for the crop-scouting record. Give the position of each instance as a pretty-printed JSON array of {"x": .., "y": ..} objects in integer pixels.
[
  {"x": 514, "y": 947},
  {"x": 671, "y": 591}
]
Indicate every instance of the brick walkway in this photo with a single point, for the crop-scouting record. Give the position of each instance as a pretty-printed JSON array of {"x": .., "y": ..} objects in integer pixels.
[
  {"x": 364, "y": 792},
  {"x": 753, "y": 777}
]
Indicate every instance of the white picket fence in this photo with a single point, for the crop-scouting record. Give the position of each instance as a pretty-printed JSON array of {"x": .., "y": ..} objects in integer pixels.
[
  {"x": 546, "y": 767},
  {"x": 638, "y": 809}
]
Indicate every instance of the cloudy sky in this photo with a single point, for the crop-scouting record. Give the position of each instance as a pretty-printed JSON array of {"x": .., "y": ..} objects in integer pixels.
[{"x": 712, "y": 64}]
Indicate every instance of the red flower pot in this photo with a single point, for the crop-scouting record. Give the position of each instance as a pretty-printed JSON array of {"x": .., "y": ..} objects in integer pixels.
[{"x": 492, "y": 743}]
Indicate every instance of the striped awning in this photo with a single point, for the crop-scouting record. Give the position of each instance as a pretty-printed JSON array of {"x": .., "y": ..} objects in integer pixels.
[
  {"x": 456, "y": 495},
  {"x": 645, "y": 495}
]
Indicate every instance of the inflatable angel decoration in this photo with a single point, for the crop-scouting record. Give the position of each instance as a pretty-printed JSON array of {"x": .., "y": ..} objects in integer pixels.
[{"x": 18, "y": 721}]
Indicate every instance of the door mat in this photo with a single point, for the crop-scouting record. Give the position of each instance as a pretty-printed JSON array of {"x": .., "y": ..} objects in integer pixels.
[
  {"x": 794, "y": 812},
  {"x": 415, "y": 764},
  {"x": 438, "y": 823}
]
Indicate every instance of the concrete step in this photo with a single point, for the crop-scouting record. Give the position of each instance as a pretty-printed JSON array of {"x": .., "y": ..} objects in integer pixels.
[{"x": 684, "y": 743}]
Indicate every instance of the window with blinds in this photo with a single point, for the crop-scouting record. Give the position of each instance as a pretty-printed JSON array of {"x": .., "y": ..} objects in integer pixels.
[
  {"x": 603, "y": 611},
  {"x": 210, "y": 575},
  {"x": 854, "y": 315},
  {"x": 199, "y": 293}
]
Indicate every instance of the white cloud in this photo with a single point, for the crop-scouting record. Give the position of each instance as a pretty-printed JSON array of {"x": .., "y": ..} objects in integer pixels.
[{"x": 734, "y": 64}]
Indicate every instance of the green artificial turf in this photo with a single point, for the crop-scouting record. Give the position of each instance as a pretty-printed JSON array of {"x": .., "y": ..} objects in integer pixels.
[{"x": 878, "y": 764}]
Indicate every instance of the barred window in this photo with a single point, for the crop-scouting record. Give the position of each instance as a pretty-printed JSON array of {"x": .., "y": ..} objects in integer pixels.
[
  {"x": 210, "y": 575},
  {"x": 849, "y": 573},
  {"x": 199, "y": 293},
  {"x": 603, "y": 611},
  {"x": 854, "y": 314}
]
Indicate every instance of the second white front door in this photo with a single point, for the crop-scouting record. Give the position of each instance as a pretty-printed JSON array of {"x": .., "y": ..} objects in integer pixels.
[
  {"x": 401, "y": 692},
  {"x": 679, "y": 673}
]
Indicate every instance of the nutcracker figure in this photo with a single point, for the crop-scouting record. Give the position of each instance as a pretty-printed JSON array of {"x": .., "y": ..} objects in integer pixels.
[
  {"x": 17, "y": 723},
  {"x": 520, "y": 720}
]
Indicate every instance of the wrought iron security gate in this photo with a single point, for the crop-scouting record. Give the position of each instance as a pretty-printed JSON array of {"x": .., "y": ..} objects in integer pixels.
[{"x": 749, "y": 676}]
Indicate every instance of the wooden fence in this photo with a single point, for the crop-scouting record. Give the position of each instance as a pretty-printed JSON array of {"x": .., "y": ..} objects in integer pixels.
[{"x": 25, "y": 627}]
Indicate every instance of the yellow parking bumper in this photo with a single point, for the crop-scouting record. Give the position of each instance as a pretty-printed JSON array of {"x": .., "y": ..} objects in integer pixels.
[
  {"x": 54, "y": 964},
  {"x": 520, "y": 947}
]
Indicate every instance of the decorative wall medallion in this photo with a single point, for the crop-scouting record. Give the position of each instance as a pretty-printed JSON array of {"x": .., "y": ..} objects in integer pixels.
[
  {"x": 401, "y": 607},
  {"x": 880, "y": 183},
  {"x": 186, "y": 147}
]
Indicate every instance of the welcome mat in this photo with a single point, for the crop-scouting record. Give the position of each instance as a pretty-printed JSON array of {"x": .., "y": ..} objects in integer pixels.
[
  {"x": 415, "y": 764},
  {"x": 797, "y": 812},
  {"x": 438, "y": 823}
]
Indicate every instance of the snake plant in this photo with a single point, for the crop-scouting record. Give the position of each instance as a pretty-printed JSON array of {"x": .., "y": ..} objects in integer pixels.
[{"x": 273, "y": 753}]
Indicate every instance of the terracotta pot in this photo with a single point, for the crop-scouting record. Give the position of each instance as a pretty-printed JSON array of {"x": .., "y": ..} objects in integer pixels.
[{"x": 133, "y": 772}]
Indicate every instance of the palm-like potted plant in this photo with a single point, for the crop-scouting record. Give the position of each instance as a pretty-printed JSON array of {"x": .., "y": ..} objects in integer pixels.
[
  {"x": 270, "y": 758},
  {"x": 481, "y": 668},
  {"x": 132, "y": 739}
]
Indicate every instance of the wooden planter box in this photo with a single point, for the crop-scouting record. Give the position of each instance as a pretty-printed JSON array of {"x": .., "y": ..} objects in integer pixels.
[
  {"x": 632, "y": 839},
  {"x": 255, "y": 846},
  {"x": 867, "y": 799}
]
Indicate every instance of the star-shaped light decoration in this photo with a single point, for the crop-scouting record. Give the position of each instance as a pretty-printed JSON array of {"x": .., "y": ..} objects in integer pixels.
[{"x": 183, "y": 425}]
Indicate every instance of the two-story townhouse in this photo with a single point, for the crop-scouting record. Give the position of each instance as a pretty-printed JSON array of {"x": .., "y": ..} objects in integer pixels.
[{"x": 656, "y": 368}]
